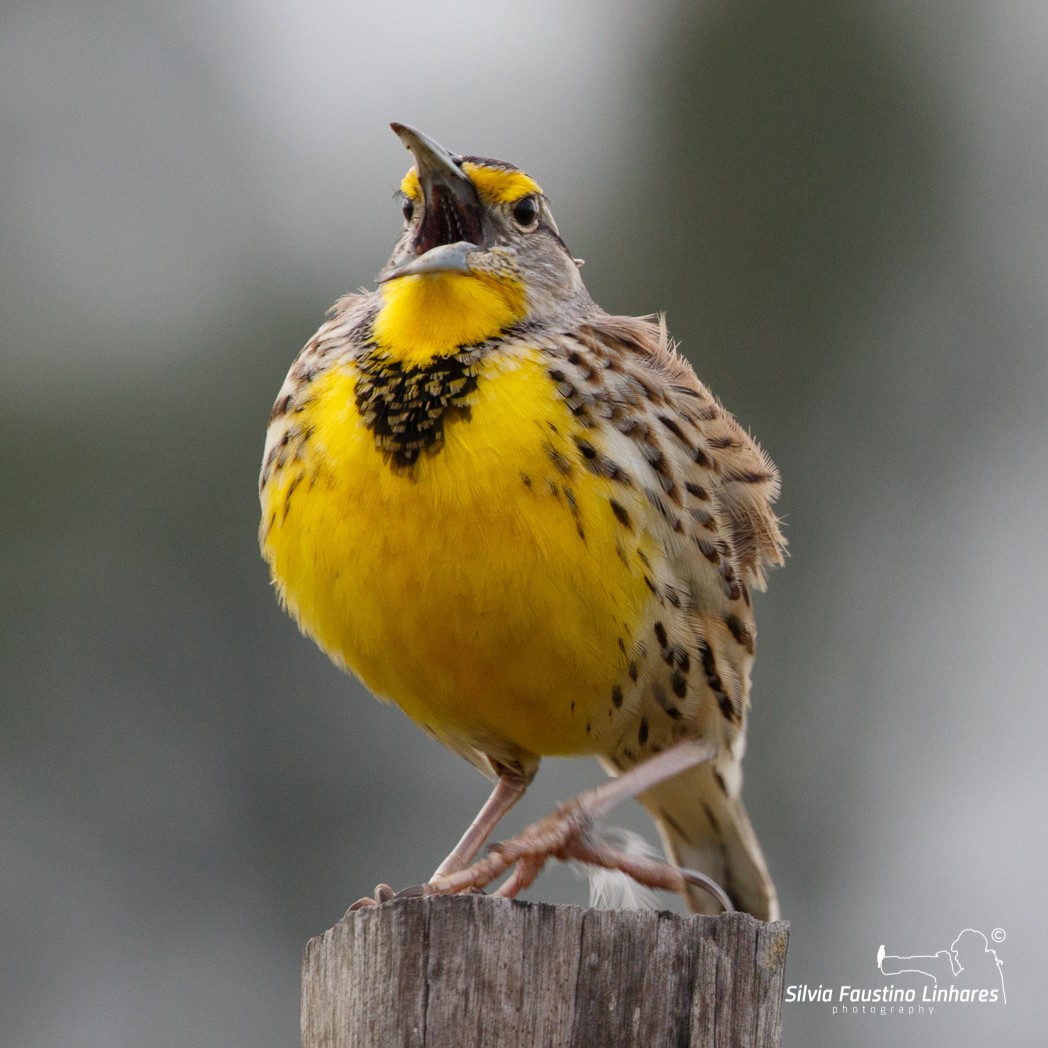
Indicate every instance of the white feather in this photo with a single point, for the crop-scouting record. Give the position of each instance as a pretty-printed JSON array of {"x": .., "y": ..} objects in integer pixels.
[{"x": 613, "y": 889}]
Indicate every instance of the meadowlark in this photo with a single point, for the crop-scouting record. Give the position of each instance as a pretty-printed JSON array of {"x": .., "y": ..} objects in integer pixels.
[{"x": 524, "y": 520}]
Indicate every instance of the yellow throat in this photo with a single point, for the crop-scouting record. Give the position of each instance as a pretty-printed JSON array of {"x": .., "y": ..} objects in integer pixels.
[{"x": 432, "y": 314}]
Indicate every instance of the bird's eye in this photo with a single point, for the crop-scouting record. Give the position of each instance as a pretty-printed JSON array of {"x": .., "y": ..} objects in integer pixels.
[
  {"x": 407, "y": 205},
  {"x": 526, "y": 211}
]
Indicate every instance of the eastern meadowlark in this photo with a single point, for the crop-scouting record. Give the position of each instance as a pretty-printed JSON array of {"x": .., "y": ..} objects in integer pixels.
[{"x": 524, "y": 520}]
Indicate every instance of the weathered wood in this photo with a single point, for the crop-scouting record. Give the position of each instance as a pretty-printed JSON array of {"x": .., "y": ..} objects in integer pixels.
[{"x": 470, "y": 971}]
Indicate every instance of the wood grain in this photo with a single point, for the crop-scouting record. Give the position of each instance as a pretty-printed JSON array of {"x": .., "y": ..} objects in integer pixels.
[{"x": 449, "y": 972}]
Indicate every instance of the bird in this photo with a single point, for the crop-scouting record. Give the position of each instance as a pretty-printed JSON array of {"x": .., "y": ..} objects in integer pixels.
[{"x": 524, "y": 520}]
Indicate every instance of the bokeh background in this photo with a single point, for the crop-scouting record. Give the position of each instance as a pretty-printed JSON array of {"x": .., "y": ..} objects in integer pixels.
[{"x": 842, "y": 208}]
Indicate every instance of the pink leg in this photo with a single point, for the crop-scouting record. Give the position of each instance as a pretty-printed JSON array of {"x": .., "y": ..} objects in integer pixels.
[
  {"x": 508, "y": 790},
  {"x": 562, "y": 835}
]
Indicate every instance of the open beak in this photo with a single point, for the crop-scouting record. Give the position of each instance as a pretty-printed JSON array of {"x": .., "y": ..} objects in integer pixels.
[{"x": 451, "y": 225}]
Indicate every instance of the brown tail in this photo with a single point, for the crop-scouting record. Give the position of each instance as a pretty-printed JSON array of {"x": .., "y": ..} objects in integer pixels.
[{"x": 705, "y": 828}]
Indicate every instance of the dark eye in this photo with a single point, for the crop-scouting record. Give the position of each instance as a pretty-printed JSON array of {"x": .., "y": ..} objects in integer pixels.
[
  {"x": 526, "y": 211},
  {"x": 407, "y": 205}
]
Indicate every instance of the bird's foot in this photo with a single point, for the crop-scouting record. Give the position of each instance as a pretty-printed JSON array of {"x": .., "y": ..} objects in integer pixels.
[
  {"x": 384, "y": 893},
  {"x": 567, "y": 834}
]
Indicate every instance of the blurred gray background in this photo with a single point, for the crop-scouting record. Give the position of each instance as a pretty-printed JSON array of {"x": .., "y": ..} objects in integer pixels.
[{"x": 841, "y": 207}]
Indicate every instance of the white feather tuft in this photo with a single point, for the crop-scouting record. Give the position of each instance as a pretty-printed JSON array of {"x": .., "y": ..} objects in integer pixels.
[{"x": 613, "y": 889}]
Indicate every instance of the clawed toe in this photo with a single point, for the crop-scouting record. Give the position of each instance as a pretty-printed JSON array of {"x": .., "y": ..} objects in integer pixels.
[{"x": 383, "y": 893}]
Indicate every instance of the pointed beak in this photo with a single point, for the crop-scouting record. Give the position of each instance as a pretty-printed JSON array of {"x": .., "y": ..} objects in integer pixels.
[{"x": 452, "y": 222}]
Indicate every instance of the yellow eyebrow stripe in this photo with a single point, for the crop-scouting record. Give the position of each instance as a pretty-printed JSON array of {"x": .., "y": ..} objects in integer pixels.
[{"x": 495, "y": 185}]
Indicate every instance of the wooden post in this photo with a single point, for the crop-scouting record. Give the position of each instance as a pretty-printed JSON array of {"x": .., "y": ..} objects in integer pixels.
[{"x": 479, "y": 972}]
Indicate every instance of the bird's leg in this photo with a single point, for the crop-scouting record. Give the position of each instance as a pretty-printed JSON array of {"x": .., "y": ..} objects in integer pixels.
[
  {"x": 563, "y": 835},
  {"x": 508, "y": 790}
]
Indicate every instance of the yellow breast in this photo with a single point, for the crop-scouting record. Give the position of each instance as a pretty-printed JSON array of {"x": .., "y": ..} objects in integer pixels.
[{"x": 483, "y": 588}]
